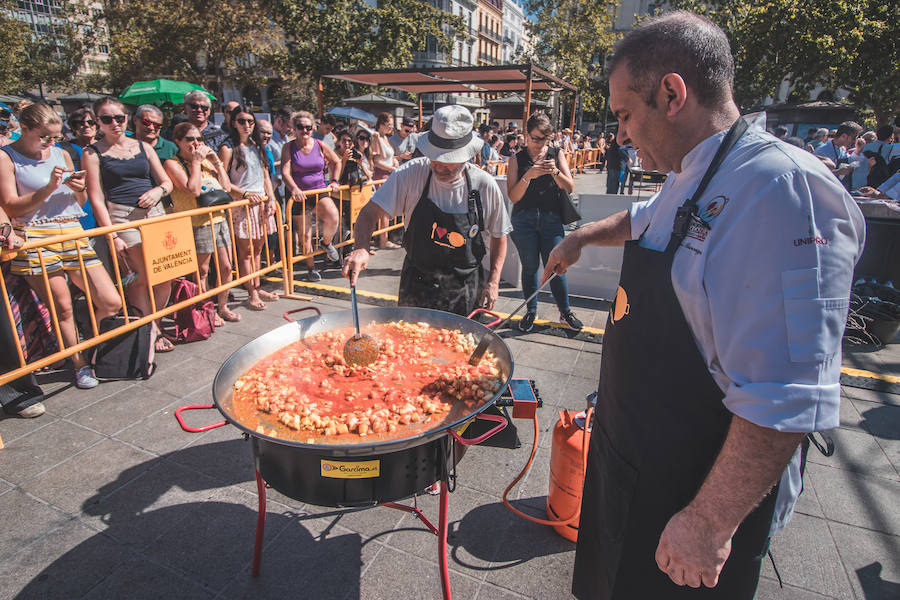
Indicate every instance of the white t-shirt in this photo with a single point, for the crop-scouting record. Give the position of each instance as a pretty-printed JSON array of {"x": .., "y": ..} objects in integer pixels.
[
  {"x": 400, "y": 193},
  {"x": 765, "y": 288},
  {"x": 250, "y": 177}
]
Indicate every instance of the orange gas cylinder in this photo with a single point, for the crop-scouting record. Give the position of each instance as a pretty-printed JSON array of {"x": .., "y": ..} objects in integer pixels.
[{"x": 567, "y": 457}]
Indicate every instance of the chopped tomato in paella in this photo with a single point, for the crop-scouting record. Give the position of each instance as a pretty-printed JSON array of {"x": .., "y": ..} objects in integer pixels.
[{"x": 305, "y": 391}]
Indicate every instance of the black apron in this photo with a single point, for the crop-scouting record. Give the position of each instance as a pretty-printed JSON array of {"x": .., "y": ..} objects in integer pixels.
[
  {"x": 442, "y": 269},
  {"x": 658, "y": 427}
]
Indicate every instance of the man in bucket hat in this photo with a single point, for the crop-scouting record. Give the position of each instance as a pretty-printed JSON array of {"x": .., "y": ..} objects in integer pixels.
[{"x": 449, "y": 207}]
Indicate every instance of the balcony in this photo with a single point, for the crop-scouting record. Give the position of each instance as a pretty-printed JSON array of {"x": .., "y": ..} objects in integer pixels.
[
  {"x": 488, "y": 59},
  {"x": 490, "y": 34}
]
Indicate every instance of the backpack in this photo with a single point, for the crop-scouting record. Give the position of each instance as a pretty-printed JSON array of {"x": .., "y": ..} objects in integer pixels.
[
  {"x": 126, "y": 356},
  {"x": 197, "y": 321}
]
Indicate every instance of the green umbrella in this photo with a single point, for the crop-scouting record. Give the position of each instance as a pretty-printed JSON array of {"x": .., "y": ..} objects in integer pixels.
[{"x": 159, "y": 91}]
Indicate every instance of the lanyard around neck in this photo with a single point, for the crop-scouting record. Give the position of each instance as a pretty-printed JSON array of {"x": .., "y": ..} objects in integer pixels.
[{"x": 688, "y": 210}]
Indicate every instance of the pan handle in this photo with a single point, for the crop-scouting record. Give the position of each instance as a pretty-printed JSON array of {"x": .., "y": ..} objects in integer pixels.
[
  {"x": 486, "y": 312},
  {"x": 290, "y": 312},
  {"x": 190, "y": 429},
  {"x": 501, "y": 425}
]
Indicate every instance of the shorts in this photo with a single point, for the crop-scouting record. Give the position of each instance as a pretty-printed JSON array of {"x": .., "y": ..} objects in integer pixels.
[
  {"x": 297, "y": 207},
  {"x": 203, "y": 239},
  {"x": 61, "y": 256},
  {"x": 122, "y": 213}
]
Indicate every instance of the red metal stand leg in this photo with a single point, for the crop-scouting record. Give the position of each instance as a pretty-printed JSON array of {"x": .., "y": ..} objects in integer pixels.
[
  {"x": 442, "y": 542},
  {"x": 260, "y": 523}
]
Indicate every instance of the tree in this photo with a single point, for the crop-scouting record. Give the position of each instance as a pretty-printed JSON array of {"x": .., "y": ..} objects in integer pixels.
[
  {"x": 835, "y": 43},
  {"x": 13, "y": 36},
  {"x": 49, "y": 53},
  {"x": 572, "y": 39},
  {"x": 186, "y": 39},
  {"x": 336, "y": 35}
]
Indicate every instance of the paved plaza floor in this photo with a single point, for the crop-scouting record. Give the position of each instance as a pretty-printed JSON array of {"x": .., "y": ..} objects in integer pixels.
[{"x": 105, "y": 497}]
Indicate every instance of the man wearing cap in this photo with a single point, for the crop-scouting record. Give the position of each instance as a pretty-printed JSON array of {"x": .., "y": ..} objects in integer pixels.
[
  {"x": 404, "y": 140},
  {"x": 448, "y": 207}
]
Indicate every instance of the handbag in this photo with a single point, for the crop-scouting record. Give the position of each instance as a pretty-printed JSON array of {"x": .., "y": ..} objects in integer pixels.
[
  {"x": 214, "y": 198},
  {"x": 128, "y": 355},
  {"x": 567, "y": 211},
  {"x": 197, "y": 321}
]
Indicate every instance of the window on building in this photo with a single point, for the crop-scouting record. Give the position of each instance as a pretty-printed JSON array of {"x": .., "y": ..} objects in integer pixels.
[{"x": 103, "y": 49}]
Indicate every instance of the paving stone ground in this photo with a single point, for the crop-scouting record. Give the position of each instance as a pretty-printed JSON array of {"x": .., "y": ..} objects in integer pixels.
[{"x": 105, "y": 497}]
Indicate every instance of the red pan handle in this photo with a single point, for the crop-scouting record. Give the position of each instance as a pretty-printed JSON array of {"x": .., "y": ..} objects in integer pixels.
[
  {"x": 486, "y": 312},
  {"x": 190, "y": 429},
  {"x": 501, "y": 420},
  {"x": 290, "y": 312}
]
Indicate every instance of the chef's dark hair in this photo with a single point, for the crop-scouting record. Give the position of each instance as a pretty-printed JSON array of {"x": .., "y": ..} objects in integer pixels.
[{"x": 677, "y": 42}]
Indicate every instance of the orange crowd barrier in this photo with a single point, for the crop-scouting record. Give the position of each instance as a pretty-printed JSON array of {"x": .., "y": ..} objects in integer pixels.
[{"x": 169, "y": 252}]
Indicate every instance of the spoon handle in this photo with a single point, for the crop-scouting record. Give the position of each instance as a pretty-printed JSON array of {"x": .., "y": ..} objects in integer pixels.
[{"x": 353, "y": 305}]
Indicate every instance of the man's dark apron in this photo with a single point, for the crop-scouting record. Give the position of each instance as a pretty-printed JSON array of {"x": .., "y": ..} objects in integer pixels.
[
  {"x": 658, "y": 427},
  {"x": 442, "y": 269}
]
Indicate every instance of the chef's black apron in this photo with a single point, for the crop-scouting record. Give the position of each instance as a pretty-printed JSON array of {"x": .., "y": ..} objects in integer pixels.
[
  {"x": 658, "y": 427},
  {"x": 442, "y": 269}
]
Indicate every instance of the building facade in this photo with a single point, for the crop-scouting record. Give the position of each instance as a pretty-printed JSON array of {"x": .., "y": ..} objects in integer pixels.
[
  {"x": 490, "y": 28},
  {"x": 513, "y": 31}
]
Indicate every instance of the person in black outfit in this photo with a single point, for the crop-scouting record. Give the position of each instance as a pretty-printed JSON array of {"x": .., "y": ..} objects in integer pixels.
[
  {"x": 613, "y": 167},
  {"x": 535, "y": 179}
]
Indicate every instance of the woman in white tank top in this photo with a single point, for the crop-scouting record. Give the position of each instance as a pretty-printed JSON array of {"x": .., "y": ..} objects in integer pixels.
[{"x": 385, "y": 163}]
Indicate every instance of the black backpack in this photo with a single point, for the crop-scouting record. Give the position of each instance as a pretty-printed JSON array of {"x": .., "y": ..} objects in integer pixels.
[{"x": 126, "y": 356}]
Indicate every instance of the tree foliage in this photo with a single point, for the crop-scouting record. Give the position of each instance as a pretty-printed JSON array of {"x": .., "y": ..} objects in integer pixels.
[
  {"x": 49, "y": 58},
  {"x": 13, "y": 36},
  {"x": 186, "y": 39},
  {"x": 572, "y": 39},
  {"x": 835, "y": 43},
  {"x": 334, "y": 35}
]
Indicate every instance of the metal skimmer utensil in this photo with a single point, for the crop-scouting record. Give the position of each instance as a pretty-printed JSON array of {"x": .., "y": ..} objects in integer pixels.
[
  {"x": 361, "y": 349},
  {"x": 486, "y": 339}
]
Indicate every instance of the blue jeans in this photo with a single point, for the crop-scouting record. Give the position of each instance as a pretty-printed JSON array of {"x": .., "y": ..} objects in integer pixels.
[{"x": 535, "y": 234}]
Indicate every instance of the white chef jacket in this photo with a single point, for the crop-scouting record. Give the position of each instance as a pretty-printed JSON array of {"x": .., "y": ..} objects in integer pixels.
[{"x": 764, "y": 284}]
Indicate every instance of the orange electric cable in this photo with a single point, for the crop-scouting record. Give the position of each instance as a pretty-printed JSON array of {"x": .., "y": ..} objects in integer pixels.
[{"x": 584, "y": 453}]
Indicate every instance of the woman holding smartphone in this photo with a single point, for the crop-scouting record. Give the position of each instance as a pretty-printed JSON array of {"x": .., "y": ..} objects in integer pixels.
[
  {"x": 126, "y": 183},
  {"x": 44, "y": 198},
  {"x": 535, "y": 178}
]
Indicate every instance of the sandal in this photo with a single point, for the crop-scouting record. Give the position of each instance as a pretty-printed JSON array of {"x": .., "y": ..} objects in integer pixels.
[
  {"x": 389, "y": 245},
  {"x": 372, "y": 252},
  {"x": 258, "y": 305},
  {"x": 218, "y": 321},
  {"x": 268, "y": 296},
  {"x": 229, "y": 315},
  {"x": 163, "y": 344}
]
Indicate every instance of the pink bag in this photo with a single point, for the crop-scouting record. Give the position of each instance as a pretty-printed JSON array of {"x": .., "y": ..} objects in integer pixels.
[{"x": 195, "y": 322}]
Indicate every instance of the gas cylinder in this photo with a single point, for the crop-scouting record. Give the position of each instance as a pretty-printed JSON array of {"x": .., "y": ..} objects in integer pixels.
[{"x": 567, "y": 471}]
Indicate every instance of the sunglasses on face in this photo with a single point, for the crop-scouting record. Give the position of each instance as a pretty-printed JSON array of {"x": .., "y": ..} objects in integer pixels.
[
  {"x": 244, "y": 121},
  {"x": 300, "y": 127},
  {"x": 203, "y": 107},
  {"x": 151, "y": 124},
  {"x": 192, "y": 138},
  {"x": 538, "y": 139},
  {"x": 5, "y": 114},
  {"x": 85, "y": 123},
  {"x": 108, "y": 119},
  {"x": 49, "y": 139},
  {"x": 363, "y": 138}
]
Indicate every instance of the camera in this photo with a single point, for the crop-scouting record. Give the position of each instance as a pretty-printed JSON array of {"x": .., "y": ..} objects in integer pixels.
[{"x": 355, "y": 154}]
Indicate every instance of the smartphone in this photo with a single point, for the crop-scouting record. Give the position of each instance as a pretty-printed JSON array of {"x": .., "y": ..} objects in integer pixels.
[{"x": 73, "y": 174}]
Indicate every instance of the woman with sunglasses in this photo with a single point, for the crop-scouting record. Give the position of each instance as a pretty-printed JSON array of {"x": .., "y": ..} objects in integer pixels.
[
  {"x": 126, "y": 183},
  {"x": 384, "y": 164},
  {"x": 245, "y": 160},
  {"x": 44, "y": 196},
  {"x": 303, "y": 162},
  {"x": 196, "y": 169},
  {"x": 535, "y": 178}
]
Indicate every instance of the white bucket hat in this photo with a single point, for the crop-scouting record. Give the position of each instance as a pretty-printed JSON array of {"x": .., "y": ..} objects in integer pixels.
[{"x": 450, "y": 138}]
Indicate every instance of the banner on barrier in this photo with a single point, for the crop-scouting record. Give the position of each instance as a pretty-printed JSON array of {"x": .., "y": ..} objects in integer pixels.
[{"x": 169, "y": 250}]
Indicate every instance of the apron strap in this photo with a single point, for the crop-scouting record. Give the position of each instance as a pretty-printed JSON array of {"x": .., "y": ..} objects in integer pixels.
[
  {"x": 476, "y": 210},
  {"x": 688, "y": 210}
]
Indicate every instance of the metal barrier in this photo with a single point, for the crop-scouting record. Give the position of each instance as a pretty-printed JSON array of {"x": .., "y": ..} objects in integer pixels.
[{"x": 168, "y": 229}]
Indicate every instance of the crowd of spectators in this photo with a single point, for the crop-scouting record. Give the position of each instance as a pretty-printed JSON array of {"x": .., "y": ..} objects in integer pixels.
[{"x": 121, "y": 166}]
